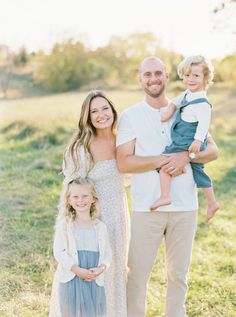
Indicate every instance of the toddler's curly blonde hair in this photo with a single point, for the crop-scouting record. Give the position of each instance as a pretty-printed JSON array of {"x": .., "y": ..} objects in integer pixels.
[{"x": 208, "y": 68}]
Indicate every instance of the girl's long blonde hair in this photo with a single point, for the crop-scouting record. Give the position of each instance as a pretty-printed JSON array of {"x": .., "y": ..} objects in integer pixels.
[
  {"x": 86, "y": 131},
  {"x": 66, "y": 211}
]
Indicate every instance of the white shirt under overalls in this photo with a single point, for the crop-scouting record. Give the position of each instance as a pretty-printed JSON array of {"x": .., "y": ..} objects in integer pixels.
[{"x": 200, "y": 112}]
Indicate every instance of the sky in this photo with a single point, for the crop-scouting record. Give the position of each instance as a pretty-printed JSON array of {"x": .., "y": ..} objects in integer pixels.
[{"x": 185, "y": 26}]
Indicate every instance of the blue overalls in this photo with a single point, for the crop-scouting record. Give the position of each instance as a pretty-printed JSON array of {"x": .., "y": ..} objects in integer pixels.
[{"x": 182, "y": 135}]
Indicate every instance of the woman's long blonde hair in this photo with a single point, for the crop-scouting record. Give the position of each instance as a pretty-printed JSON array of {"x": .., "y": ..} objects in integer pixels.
[
  {"x": 86, "y": 130},
  {"x": 66, "y": 211}
]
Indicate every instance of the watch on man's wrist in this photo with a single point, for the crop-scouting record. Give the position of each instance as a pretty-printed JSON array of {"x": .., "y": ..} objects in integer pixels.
[{"x": 192, "y": 156}]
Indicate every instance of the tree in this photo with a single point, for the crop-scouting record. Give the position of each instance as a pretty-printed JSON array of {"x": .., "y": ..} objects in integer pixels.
[
  {"x": 224, "y": 5},
  {"x": 225, "y": 12},
  {"x": 224, "y": 67},
  {"x": 21, "y": 58},
  {"x": 71, "y": 65},
  {"x": 66, "y": 68},
  {"x": 121, "y": 57},
  {"x": 5, "y": 68}
]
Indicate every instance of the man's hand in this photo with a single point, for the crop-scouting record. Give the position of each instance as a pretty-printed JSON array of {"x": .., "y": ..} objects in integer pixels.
[{"x": 174, "y": 164}]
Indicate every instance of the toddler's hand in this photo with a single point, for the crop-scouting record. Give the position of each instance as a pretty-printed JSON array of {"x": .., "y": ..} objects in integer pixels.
[
  {"x": 195, "y": 146},
  {"x": 166, "y": 116}
]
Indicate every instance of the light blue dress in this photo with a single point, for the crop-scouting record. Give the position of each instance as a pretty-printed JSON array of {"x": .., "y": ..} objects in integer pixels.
[{"x": 79, "y": 298}]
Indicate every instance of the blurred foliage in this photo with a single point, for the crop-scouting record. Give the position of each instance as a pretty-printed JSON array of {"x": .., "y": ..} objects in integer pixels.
[
  {"x": 67, "y": 67},
  {"x": 5, "y": 68},
  {"x": 72, "y": 65},
  {"x": 21, "y": 58},
  {"x": 224, "y": 67},
  {"x": 224, "y": 5},
  {"x": 224, "y": 13}
]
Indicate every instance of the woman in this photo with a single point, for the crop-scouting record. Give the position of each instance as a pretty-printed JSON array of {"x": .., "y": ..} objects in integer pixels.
[{"x": 92, "y": 152}]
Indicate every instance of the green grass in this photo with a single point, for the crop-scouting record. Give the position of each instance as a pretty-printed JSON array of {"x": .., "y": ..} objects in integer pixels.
[{"x": 34, "y": 133}]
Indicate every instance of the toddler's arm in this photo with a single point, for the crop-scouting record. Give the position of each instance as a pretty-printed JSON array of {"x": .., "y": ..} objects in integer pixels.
[
  {"x": 211, "y": 153},
  {"x": 175, "y": 103},
  {"x": 169, "y": 113},
  {"x": 203, "y": 116},
  {"x": 195, "y": 146}
]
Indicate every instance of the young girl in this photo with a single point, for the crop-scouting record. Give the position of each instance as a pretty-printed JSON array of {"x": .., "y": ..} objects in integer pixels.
[
  {"x": 190, "y": 128},
  {"x": 82, "y": 250}
]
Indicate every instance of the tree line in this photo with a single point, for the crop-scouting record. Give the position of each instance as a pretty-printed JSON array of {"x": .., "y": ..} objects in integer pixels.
[{"x": 71, "y": 64}]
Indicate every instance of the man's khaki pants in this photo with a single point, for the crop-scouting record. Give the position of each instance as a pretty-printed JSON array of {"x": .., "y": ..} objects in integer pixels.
[{"x": 147, "y": 231}]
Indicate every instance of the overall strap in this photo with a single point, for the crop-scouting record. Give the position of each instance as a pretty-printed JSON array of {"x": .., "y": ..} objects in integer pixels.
[{"x": 195, "y": 101}]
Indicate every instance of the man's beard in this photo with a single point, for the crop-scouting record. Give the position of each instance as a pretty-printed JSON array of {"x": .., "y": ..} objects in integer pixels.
[{"x": 155, "y": 95}]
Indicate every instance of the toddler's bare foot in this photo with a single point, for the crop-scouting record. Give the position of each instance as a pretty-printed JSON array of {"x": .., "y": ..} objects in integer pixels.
[
  {"x": 211, "y": 210},
  {"x": 162, "y": 201}
]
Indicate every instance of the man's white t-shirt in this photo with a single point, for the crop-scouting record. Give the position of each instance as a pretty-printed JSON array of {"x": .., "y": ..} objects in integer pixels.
[{"x": 142, "y": 123}]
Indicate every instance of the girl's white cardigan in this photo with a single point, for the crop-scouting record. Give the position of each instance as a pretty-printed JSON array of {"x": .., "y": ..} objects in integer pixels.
[{"x": 65, "y": 252}]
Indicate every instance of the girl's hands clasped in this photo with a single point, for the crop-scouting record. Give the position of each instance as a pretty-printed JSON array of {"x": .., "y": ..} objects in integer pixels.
[
  {"x": 98, "y": 270},
  {"x": 86, "y": 275}
]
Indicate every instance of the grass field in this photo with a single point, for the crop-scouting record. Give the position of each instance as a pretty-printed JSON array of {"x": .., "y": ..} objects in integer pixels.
[{"x": 34, "y": 133}]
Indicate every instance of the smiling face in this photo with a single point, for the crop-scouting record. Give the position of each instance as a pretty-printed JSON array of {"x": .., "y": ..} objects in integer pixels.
[
  {"x": 194, "y": 78},
  {"x": 101, "y": 114},
  {"x": 153, "y": 77},
  {"x": 81, "y": 198}
]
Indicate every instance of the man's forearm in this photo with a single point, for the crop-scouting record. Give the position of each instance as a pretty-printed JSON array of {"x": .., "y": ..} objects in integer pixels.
[{"x": 140, "y": 164}]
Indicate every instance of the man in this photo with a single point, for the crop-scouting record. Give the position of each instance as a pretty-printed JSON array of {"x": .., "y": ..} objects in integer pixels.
[{"x": 141, "y": 139}]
